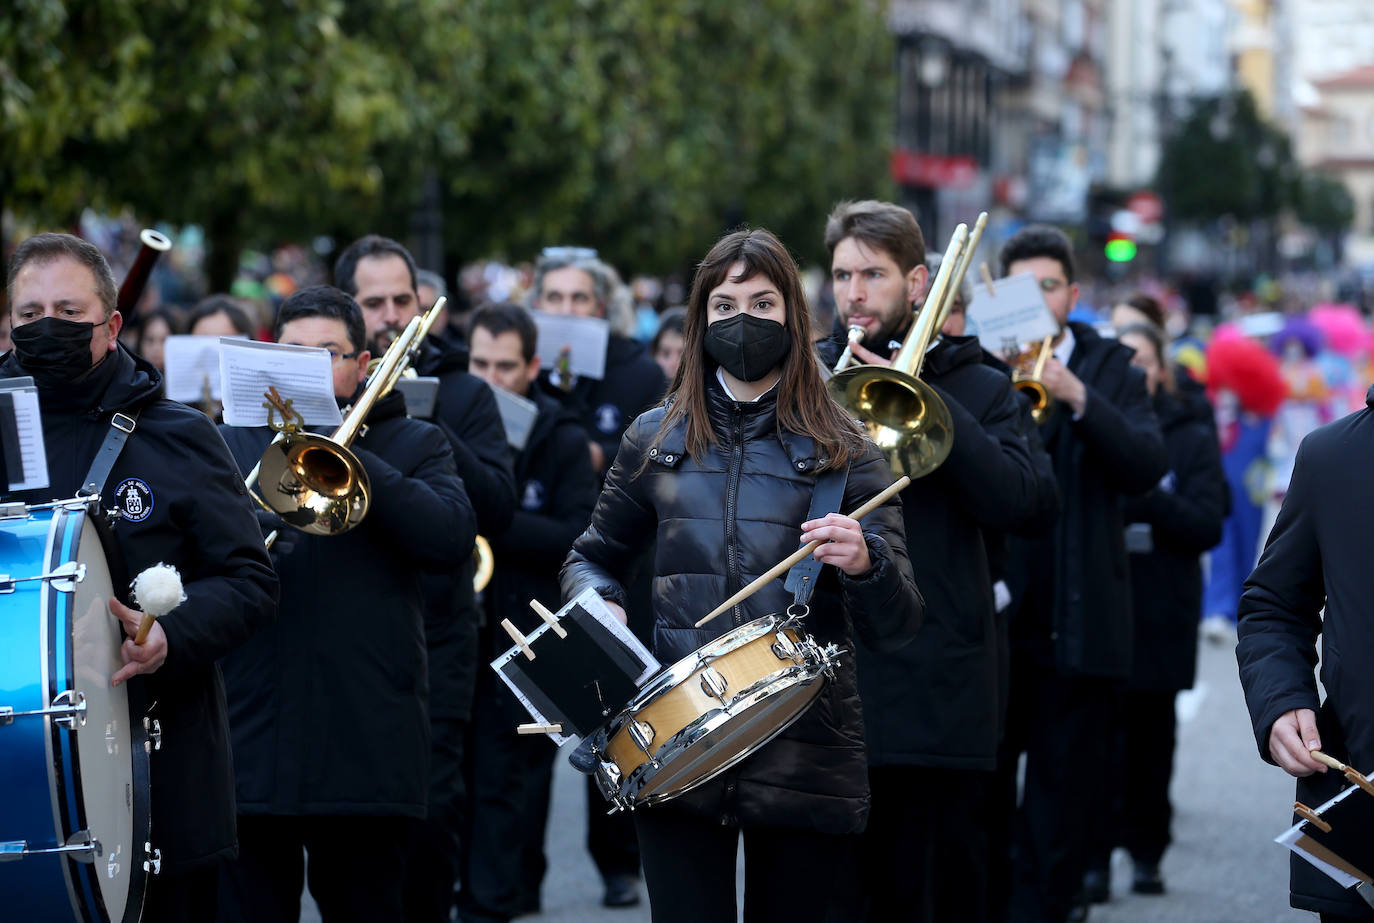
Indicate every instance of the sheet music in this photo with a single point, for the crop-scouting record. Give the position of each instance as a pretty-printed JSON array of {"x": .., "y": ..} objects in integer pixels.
[
  {"x": 1010, "y": 316},
  {"x": 517, "y": 416},
  {"x": 191, "y": 362},
  {"x": 302, "y": 373},
  {"x": 26, "y": 459},
  {"x": 585, "y": 338}
]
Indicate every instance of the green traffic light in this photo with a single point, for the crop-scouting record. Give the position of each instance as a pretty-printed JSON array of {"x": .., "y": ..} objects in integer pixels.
[{"x": 1121, "y": 251}]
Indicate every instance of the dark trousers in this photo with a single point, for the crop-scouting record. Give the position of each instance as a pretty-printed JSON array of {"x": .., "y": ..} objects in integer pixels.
[
  {"x": 509, "y": 777},
  {"x": 926, "y": 846},
  {"x": 188, "y": 898},
  {"x": 1136, "y": 814},
  {"x": 356, "y": 870},
  {"x": 689, "y": 869},
  {"x": 432, "y": 860},
  {"x": 611, "y": 838},
  {"x": 1039, "y": 858}
]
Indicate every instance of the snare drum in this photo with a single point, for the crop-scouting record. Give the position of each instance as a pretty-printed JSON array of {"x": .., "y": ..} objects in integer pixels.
[
  {"x": 74, "y": 819},
  {"x": 711, "y": 709}
]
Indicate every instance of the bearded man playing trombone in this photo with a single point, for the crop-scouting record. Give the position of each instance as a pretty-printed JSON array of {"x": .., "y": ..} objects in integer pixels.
[
  {"x": 328, "y": 707},
  {"x": 931, "y": 709}
]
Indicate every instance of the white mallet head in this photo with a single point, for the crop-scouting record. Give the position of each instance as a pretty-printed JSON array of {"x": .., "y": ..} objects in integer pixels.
[{"x": 157, "y": 590}]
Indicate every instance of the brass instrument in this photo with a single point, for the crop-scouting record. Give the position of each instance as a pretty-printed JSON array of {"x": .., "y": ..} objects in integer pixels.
[
  {"x": 314, "y": 482},
  {"x": 902, "y": 414},
  {"x": 486, "y": 564},
  {"x": 854, "y": 335},
  {"x": 152, "y": 245},
  {"x": 1028, "y": 382}
]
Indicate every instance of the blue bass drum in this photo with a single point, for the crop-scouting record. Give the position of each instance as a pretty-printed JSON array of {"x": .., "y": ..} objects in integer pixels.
[{"x": 74, "y": 823}]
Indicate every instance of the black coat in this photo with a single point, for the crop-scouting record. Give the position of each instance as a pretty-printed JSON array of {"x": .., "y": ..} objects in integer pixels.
[
  {"x": 936, "y": 702},
  {"x": 201, "y": 521},
  {"x": 1184, "y": 513},
  {"x": 1073, "y": 586},
  {"x": 557, "y": 493},
  {"x": 466, "y": 411},
  {"x": 1317, "y": 555},
  {"x": 721, "y": 520},
  {"x": 632, "y": 383},
  {"x": 328, "y": 706}
]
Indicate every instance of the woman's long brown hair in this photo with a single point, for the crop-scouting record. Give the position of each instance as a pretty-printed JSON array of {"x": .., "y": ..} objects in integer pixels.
[{"x": 804, "y": 406}]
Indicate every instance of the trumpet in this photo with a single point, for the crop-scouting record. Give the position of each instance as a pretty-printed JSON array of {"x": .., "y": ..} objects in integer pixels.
[
  {"x": 903, "y": 415},
  {"x": 314, "y": 482},
  {"x": 1028, "y": 380}
]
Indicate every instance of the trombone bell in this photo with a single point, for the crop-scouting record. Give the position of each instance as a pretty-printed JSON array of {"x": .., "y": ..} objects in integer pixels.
[
  {"x": 903, "y": 416},
  {"x": 314, "y": 484}
]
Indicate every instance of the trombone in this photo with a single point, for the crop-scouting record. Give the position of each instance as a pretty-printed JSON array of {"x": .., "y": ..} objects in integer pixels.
[
  {"x": 903, "y": 415},
  {"x": 314, "y": 482}
]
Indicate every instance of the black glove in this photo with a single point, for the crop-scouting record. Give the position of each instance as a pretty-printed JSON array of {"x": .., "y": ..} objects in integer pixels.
[{"x": 286, "y": 539}]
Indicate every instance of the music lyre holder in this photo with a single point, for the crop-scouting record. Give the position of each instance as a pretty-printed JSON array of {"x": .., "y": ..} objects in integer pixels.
[{"x": 1335, "y": 836}]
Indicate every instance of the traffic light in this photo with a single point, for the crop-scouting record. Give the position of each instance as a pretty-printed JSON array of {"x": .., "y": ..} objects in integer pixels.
[{"x": 1120, "y": 247}]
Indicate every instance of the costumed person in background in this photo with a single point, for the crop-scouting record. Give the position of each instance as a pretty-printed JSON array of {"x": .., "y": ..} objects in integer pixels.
[
  {"x": 328, "y": 707},
  {"x": 724, "y": 474},
  {"x": 1346, "y": 341},
  {"x": 571, "y": 280},
  {"x": 1314, "y": 579},
  {"x": 182, "y": 503},
  {"x": 932, "y": 712},
  {"x": 1169, "y": 527},
  {"x": 1246, "y": 387},
  {"x": 503, "y": 860},
  {"x": 380, "y": 273},
  {"x": 1308, "y": 404}
]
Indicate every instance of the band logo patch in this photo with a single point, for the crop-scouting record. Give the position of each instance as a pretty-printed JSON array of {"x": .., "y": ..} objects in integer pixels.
[
  {"x": 608, "y": 418},
  {"x": 134, "y": 499},
  {"x": 534, "y": 496}
]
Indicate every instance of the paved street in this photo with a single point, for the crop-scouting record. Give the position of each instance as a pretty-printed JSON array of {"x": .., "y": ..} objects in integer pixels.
[{"x": 1223, "y": 867}]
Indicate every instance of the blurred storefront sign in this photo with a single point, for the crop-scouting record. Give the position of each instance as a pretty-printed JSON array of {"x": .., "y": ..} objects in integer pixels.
[{"x": 933, "y": 171}]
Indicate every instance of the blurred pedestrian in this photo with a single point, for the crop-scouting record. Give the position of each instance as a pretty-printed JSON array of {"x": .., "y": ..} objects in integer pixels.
[{"x": 666, "y": 346}]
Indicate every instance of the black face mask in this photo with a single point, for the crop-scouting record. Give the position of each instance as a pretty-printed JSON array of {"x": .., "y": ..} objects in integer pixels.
[
  {"x": 53, "y": 350},
  {"x": 746, "y": 346}
]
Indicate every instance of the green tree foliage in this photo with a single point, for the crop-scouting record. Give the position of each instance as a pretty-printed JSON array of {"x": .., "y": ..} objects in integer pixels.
[
  {"x": 637, "y": 127},
  {"x": 1324, "y": 204}
]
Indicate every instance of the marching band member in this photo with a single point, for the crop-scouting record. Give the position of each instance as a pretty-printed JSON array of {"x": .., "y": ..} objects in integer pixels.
[
  {"x": 380, "y": 273},
  {"x": 931, "y": 709},
  {"x": 1071, "y": 625},
  {"x": 723, "y": 475},
  {"x": 328, "y": 707},
  {"x": 181, "y": 502},
  {"x": 503, "y": 851}
]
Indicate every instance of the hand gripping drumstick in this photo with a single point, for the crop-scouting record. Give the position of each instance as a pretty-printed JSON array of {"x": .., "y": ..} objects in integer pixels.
[
  {"x": 157, "y": 591},
  {"x": 800, "y": 554}
]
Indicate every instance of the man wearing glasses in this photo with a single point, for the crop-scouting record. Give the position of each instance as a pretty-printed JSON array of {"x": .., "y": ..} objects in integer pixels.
[{"x": 1070, "y": 616}]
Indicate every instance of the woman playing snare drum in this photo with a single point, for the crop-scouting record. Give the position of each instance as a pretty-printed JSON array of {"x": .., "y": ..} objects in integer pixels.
[{"x": 722, "y": 475}]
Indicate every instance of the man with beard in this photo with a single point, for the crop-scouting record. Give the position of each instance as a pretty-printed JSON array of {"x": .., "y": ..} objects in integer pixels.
[
  {"x": 181, "y": 502},
  {"x": 931, "y": 708},
  {"x": 503, "y": 857},
  {"x": 328, "y": 708},
  {"x": 380, "y": 274}
]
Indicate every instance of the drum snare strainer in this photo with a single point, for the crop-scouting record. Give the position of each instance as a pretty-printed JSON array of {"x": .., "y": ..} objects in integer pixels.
[{"x": 712, "y": 709}]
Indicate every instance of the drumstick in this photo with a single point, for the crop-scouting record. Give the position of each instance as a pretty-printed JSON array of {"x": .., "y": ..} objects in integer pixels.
[
  {"x": 158, "y": 591},
  {"x": 800, "y": 554},
  {"x": 1351, "y": 775}
]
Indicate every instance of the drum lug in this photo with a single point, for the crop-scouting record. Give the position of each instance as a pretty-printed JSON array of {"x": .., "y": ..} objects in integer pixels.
[
  {"x": 714, "y": 685},
  {"x": 152, "y": 864},
  {"x": 154, "y": 729},
  {"x": 784, "y": 648},
  {"x": 642, "y": 733},
  {"x": 68, "y": 710},
  {"x": 80, "y": 846},
  {"x": 14, "y": 510},
  {"x": 63, "y": 578}
]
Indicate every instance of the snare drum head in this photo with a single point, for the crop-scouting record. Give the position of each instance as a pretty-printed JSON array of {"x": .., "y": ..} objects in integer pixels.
[{"x": 60, "y": 637}]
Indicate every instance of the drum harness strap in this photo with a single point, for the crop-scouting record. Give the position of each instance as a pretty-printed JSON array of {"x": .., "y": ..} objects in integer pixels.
[
  {"x": 826, "y": 498},
  {"x": 121, "y": 425}
]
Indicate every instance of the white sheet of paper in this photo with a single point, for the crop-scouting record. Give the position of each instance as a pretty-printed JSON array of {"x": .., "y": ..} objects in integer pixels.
[
  {"x": 29, "y": 423},
  {"x": 191, "y": 362},
  {"x": 1010, "y": 316},
  {"x": 517, "y": 416},
  {"x": 596, "y": 606},
  {"x": 585, "y": 338},
  {"x": 302, "y": 373},
  {"x": 1290, "y": 838}
]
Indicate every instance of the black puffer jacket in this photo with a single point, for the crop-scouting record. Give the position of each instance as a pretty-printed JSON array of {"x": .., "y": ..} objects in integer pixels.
[
  {"x": 328, "y": 706},
  {"x": 195, "y": 514},
  {"x": 721, "y": 520}
]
